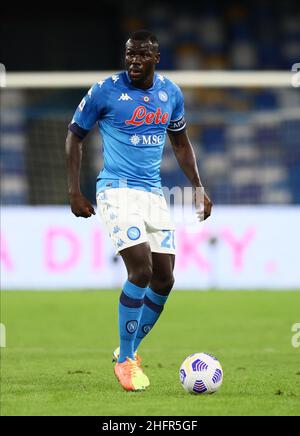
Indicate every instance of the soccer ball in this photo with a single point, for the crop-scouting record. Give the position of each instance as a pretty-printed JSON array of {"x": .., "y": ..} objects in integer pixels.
[{"x": 201, "y": 373}]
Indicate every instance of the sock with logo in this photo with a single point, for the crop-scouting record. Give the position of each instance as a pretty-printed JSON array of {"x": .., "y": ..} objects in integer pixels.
[
  {"x": 130, "y": 311},
  {"x": 152, "y": 309}
]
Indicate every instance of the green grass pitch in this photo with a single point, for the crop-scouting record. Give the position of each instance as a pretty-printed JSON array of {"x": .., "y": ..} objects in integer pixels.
[{"x": 59, "y": 344}]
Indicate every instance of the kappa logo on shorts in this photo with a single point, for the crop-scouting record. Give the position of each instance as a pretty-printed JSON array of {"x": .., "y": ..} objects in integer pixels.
[
  {"x": 113, "y": 216},
  {"x": 133, "y": 233},
  {"x": 102, "y": 196},
  {"x": 131, "y": 326},
  {"x": 120, "y": 243}
]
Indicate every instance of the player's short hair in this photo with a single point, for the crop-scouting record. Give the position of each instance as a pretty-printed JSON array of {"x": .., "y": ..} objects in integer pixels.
[{"x": 145, "y": 35}]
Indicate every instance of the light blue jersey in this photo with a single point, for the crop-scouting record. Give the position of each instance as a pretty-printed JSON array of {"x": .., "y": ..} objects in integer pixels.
[{"x": 133, "y": 125}]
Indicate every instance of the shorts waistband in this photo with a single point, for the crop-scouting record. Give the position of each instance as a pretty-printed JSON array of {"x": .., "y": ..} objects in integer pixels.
[{"x": 102, "y": 185}]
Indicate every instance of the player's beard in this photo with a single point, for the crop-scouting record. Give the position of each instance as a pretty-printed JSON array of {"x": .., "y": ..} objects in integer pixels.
[{"x": 145, "y": 74}]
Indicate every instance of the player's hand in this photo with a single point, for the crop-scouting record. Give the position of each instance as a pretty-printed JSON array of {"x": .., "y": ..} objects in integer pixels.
[
  {"x": 203, "y": 204},
  {"x": 80, "y": 206}
]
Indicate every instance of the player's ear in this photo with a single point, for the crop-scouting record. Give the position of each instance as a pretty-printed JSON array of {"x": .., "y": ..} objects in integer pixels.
[{"x": 157, "y": 58}]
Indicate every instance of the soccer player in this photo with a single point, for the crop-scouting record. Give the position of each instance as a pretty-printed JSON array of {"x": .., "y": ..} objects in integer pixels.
[{"x": 134, "y": 110}]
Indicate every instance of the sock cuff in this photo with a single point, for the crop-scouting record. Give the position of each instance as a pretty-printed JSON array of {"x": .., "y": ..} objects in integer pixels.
[
  {"x": 158, "y": 308},
  {"x": 134, "y": 303},
  {"x": 156, "y": 298},
  {"x": 133, "y": 291}
]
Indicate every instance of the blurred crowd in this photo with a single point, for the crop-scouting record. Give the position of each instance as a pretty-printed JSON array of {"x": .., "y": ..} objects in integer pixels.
[
  {"x": 246, "y": 140},
  {"x": 255, "y": 34}
]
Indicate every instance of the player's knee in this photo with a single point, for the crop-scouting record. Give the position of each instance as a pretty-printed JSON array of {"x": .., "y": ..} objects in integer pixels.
[
  {"x": 164, "y": 284},
  {"x": 141, "y": 275},
  {"x": 167, "y": 285}
]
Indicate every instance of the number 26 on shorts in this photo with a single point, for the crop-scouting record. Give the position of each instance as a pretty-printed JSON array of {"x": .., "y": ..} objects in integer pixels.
[{"x": 169, "y": 240}]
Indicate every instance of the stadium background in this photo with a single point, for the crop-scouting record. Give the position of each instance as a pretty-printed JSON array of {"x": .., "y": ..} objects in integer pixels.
[
  {"x": 58, "y": 344},
  {"x": 246, "y": 140}
]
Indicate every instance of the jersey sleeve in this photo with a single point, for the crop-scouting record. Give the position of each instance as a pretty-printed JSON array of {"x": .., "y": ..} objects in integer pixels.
[
  {"x": 89, "y": 110},
  {"x": 177, "y": 122}
]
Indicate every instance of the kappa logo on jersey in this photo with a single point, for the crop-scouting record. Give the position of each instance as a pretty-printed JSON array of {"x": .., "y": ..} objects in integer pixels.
[
  {"x": 124, "y": 97},
  {"x": 141, "y": 116},
  {"x": 115, "y": 78},
  {"x": 82, "y": 104}
]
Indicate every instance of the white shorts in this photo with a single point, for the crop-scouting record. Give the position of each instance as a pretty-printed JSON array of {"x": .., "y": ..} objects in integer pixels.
[{"x": 134, "y": 216}]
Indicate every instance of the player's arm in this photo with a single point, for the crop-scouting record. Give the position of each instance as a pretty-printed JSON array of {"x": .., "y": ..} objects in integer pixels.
[
  {"x": 185, "y": 156},
  {"x": 80, "y": 206},
  {"x": 86, "y": 115}
]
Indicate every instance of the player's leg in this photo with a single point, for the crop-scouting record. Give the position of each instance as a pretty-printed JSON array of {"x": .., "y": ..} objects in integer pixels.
[
  {"x": 118, "y": 209},
  {"x": 156, "y": 294},
  {"x": 162, "y": 279},
  {"x": 138, "y": 262},
  {"x": 161, "y": 237}
]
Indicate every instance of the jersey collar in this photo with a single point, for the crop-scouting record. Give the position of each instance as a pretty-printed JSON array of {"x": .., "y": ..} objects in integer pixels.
[{"x": 145, "y": 90}]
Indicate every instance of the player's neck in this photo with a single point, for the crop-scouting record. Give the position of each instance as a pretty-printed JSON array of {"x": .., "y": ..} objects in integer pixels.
[{"x": 146, "y": 84}]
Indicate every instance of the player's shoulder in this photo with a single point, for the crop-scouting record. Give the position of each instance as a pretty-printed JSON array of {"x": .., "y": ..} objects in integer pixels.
[
  {"x": 115, "y": 80},
  {"x": 107, "y": 83},
  {"x": 168, "y": 84}
]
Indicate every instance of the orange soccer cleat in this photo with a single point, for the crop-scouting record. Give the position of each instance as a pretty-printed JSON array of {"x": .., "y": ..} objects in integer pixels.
[
  {"x": 116, "y": 355},
  {"x": 131, "y": 376}
]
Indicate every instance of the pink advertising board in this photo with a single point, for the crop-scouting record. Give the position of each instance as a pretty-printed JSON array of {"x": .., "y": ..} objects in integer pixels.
[{"x": 236, "y": 248}]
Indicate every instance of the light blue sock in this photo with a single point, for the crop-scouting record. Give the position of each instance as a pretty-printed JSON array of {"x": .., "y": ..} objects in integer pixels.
[
  {"x": 152, "y": 309},
  {"x": 130, "y": 311}
]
